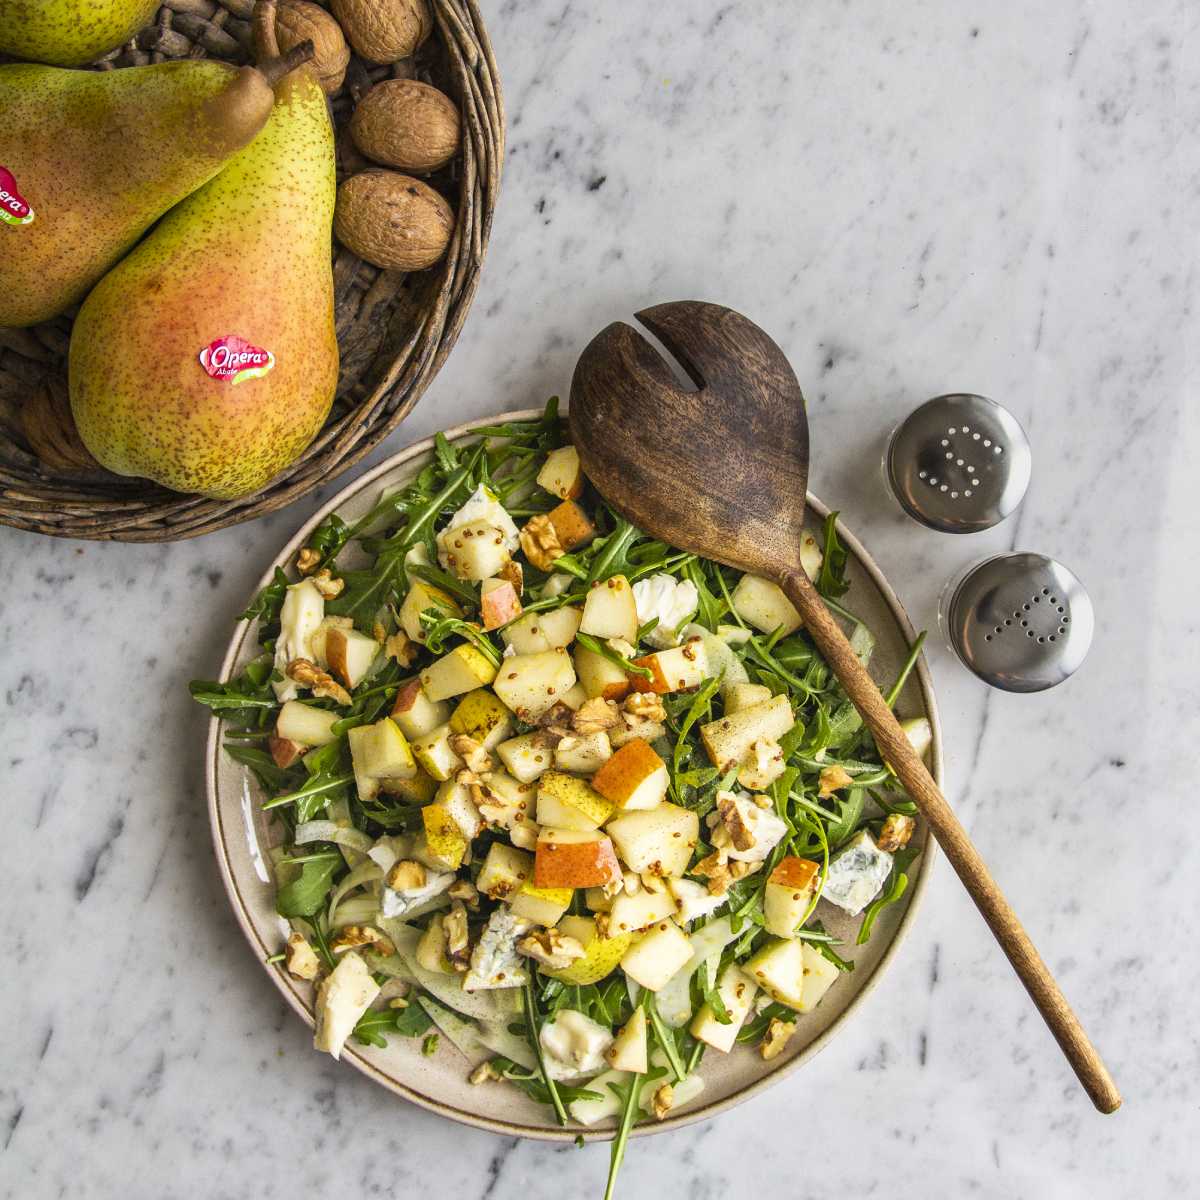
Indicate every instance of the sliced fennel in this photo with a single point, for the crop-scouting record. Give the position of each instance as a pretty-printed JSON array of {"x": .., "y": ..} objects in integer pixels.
[{"x": 331, "y": 831}]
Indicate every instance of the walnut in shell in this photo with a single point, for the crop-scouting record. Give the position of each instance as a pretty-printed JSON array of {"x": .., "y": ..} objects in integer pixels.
[
  {"x": 384, "y": 30},
  {"x": 297, "y": 21},
  {"x": 392, "y": 220},
  {"x": 407, "y": 124}
]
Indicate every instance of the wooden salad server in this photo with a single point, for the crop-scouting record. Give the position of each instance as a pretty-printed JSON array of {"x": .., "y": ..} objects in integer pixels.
[{"x": 722, "y": 472}]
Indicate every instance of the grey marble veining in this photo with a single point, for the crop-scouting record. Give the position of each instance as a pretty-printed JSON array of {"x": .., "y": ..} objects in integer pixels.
[{"x": 913, "y": 199}]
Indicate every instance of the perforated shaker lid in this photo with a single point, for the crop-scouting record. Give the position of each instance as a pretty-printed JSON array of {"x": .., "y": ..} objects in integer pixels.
[
  {"x": 959, "y": 463},
  {"x": 1021, "y": 622}
]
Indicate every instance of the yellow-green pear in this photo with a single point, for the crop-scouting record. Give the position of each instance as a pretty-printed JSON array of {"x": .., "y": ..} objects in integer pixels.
[
  {"x": 69, "y": 33},
  {"x": 89, "y": 160},
  {"x": 207, "y": 359}
]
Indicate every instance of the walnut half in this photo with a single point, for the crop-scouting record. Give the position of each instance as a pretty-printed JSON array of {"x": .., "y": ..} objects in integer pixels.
[{"x": 540, "y": 542}]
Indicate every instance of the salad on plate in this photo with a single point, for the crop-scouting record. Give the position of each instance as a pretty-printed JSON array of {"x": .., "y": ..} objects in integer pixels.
[{"x": 554, "y": 792}]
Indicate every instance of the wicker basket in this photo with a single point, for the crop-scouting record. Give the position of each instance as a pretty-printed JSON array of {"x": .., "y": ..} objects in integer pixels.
[{"x": 394, "y": 330}]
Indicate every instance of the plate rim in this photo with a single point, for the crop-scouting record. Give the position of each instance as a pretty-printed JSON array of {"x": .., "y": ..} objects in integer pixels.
[{"x": 554, "y": 1133}]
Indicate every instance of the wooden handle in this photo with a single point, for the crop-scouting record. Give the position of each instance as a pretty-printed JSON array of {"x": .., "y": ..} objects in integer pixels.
[{"x": 952, "y": 837}]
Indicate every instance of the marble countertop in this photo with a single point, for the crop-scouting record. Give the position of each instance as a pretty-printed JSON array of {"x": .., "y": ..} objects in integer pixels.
[{"x": 917, "y": 198}]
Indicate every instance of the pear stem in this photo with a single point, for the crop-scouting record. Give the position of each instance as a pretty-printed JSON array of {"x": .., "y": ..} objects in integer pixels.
[
  {"x": 265, "y": 40},
  {"x": 274, "y": 69}
]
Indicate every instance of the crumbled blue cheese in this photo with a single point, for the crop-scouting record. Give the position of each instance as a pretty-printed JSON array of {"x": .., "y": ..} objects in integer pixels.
[
  {"x": 482, "y": 505},
  {"x": 752, "y": 832},
  {"x": 342, "y": 998},
  {"x": 669, "y": 600},
  {"x": 494, "y": 961},
  {"x": 396, "y": 904},
  {"x": 693, "y": 899},
  {"x": 857, "y": 873},
  {"x": 303, "y": 610},
  {"x": 574, "y": 1045}
]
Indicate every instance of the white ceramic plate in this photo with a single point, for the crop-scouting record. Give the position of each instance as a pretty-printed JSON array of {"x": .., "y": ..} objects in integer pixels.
[{"x": 241, "y": 835}]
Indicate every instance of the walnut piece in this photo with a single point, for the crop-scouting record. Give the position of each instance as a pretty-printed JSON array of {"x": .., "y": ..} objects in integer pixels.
[
  {"x": 300, "y": 958},
  {"x": 896, "y": 832},
  {"x": 327, "y": 585},
  {"x": 540, "y": 542},
  {"x": 464, "y": 890},
  {"x": 308, "y": 674},
  {"x": 664, "y": 1101},
  {"x": 716, "y": 870},
  {"x": 307, "y": 560},
  {"x": 740, "y": 834},
  {"x": 458, "y": 942},
  {"x": 484, "y": 1072},
  {"x": 402, "y": 648},
  {"x": 472, "y": 753},
  {"x": 551, "y": 948},
  {"x": 832, "y": 779},
  {"x": 407, "y": 876},
  {"x": 512, "y": 572},
  {"x": 776, "y": 1038},
  {"x": 595, "y": 715},
  {"x": 354, "y": 936},
  {"x": 646, "y": 706}
]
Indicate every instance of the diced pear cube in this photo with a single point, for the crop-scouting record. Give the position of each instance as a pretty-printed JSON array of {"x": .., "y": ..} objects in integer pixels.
[
  {"x": 422, "y": 596},
  {"x": 819, "y": 976},
  {"x": 631, "y": 913},
  {"x": 531, "y": 683},
  {"x": 359, "y": 738},
  {"x": 633, "y": 778},
  {"x": 525, "y": 757},
  {"x": 463, "y": 669},
  {"x": 919, "y": 733},
  {"x": 350, "y": 655},
  {"x": 745, "y": 695},
  {"x": 648, "y": 731},
  {"x": 432, "y": 751},
  {"x": 787, "y": 895},
  {"x": 629, "y": 1050},
  {"x": 444, "y": 840},
  {"x": 737, "y": 991},
  {"x": 575, "y": 696},
  {"x": 415, "y": 713},
  {"x": 536, "y": 632},
  {"x": 504, "y": 872},
  {"x": 728, "y": 739},
  {"x": 811, "y": 556},
  {"x": 574, "y": 858},
  {"x": 572, "y": 526},
  {"x": 430, "y": 952},
  {"x": 610, "y": 610},
  {"x": 600, "y": 676},
  {"x": 573, "y": 800},
  {"x": 778, "y": 968},
  {"x": 585, "y": 753},
  {"x": 600, "y": 954},
  {"x": 543, "y": 905},
  {"x": 657, "y": 956},
  {"x": 388, "y": 755},
  {"x": 658, "y": 840},
  {"x": 300, "y": 722},
  {"x": 475, "y": 550},
  {"x": 673, "y": 670},
  {"x": 761, "y": 603},
  {"x": 561, "y": 475},
  {"x": 455, "y": 798},
  {"x": 481, "y": 715},
  {"x": 419, "y": 789},
  {"x": 499, "y": 602}
]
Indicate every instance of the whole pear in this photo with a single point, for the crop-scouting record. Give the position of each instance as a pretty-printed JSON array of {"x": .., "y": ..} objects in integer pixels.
[
  {"x": 99, "y": 156},
  {"x": 244, "y": 265},
  {"x": 69, "y": 33}
]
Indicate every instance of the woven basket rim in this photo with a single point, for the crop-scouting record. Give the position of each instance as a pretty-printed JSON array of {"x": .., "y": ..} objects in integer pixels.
[{"x": 36, "y": 498}]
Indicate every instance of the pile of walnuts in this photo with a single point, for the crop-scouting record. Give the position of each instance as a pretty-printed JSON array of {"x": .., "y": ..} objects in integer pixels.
[{"x": 385, "y": 215}]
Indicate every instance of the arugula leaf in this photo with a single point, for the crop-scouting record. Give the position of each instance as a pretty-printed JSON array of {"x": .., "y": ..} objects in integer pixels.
[
  {"x": 306, "y": 893},
  {"x": 832, "y": 580},
  {"x": 373, "y": 1027},
  {"x": 266, "y": 605},
  {"x": 272, "y": 778},
  {"x": 448, "y": 583},
  {"x": 438, "y": 627},
  {"x": 531, "y": 1084}
]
